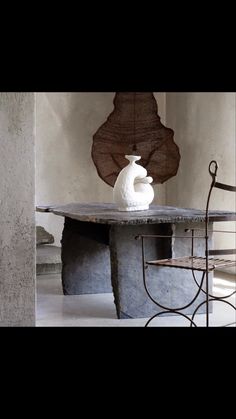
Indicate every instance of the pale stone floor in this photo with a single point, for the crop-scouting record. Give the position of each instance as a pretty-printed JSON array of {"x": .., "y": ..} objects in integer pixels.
[{"x": 56, "y": 310}]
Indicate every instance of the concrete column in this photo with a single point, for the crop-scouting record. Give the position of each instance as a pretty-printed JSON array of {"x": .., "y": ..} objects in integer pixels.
[{"x": 17, "y": 226}]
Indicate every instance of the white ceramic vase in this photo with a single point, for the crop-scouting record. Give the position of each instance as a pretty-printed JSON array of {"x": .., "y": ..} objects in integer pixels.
[{"x": 132, "y": 190}]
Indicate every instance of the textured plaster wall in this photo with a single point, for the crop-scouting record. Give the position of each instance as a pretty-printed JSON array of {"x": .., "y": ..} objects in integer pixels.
[
  {"x": 17, "y": 227},
  {"x": 65, "y": 124},
  {"x": 204, "y": 125}
]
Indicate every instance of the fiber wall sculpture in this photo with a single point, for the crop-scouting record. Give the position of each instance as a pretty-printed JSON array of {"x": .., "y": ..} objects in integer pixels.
[{"x": 134, "y": 127}]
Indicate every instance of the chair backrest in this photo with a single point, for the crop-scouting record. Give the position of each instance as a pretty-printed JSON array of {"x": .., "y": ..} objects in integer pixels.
[{"x": 213, "y": 168}]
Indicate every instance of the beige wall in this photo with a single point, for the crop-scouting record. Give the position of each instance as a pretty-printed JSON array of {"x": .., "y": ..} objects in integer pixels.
[
  {"x": 204, "y": 125},
  {"x": 65, "y": 124}
]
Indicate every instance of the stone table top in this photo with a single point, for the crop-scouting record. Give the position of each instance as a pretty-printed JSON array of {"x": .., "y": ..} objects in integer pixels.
[{"x": 107, "y": 213}]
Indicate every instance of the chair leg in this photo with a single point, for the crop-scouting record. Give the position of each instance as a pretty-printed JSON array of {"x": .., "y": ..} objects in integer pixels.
[{"x": 207, "y": 300}]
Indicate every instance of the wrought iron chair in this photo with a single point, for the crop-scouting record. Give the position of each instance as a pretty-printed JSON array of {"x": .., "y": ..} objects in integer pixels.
[{"x": 204, "y": 264}]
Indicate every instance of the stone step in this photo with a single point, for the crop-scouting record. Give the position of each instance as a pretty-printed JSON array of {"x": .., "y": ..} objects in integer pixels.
[
  {"x": 48, "y": 260},
  {"x": 43, "y": 237}
]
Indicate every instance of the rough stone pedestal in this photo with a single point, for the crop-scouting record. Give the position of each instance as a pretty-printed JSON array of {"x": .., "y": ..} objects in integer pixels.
[{"x": 85, "y": 258}]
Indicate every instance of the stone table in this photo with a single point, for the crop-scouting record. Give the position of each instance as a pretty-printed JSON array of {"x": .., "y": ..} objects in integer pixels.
[{"x": 100, "y": 253}]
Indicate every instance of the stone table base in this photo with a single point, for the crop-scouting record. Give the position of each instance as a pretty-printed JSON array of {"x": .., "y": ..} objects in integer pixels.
[
  {"x": 100, "y": 254},
  {"x": 97, "y": 258}
]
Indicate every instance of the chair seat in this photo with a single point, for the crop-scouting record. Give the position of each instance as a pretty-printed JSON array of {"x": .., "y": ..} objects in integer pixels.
[{"x": 192, "y": 262}]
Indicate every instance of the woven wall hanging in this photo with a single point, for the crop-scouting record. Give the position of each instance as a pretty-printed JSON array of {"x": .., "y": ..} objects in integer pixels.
[{"x": 134, "y": 127}]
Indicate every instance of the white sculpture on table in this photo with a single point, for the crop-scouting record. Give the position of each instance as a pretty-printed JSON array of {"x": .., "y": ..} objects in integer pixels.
[{"x": 132, "y": 190}]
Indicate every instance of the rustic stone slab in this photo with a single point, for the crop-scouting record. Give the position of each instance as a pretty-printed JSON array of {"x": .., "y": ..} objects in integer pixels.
[{"x": 109, "y": 214}]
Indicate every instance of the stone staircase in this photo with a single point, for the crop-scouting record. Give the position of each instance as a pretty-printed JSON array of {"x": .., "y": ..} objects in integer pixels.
[
  {"x": 48, "y": 256},
  {"x": 48, "y": 259}
]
